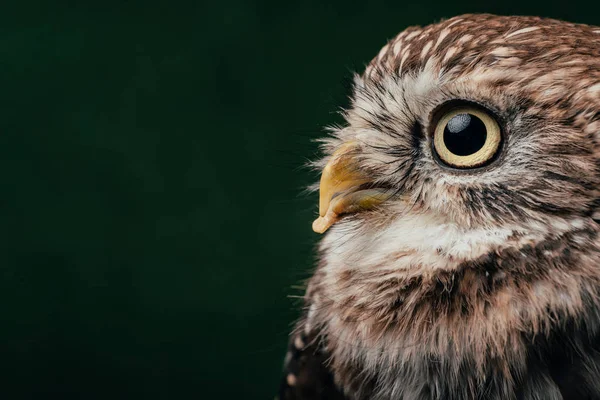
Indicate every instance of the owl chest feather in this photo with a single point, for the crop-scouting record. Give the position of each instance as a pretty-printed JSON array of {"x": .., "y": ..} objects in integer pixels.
[{"x": 444, "y": 313}]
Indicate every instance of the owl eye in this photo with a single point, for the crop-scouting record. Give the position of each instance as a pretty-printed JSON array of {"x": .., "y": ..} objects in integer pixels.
[{"x": 466, "y": 137}]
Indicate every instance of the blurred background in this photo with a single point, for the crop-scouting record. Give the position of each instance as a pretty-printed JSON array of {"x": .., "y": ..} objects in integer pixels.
[{"x": 151, "y": 163}]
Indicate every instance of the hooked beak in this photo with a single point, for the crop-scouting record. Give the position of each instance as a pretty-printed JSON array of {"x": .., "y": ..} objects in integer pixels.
[{"x": 343, "y": 189}]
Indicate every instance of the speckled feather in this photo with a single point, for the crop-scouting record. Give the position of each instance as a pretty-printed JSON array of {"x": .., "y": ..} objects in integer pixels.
[{"x": 484, "y": 284}]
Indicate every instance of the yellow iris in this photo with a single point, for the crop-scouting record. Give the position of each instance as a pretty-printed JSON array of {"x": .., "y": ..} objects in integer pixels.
[{"x": 473, "y": 155}]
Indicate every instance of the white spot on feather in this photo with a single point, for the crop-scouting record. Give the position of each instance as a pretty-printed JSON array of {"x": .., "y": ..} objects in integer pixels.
[
  {"x": 442, "y": 36},
  {"x": 298, "y": 343},
  {"x": 523, "y": 30},
  {"x": 382, "y": 52},
  {"x": 413, "y": 34},
  {"x": 454, "y": 22},
  {"x": 502, "y": 52},
  {"x": 426, "y": 49},
  {"x": 464, "y": 39},
  {"x": 291, "y": 379},
  {"x": 397, "y": 47},
  {"x": 404, "y": 57},
  {"x": 451, "y": 51},
  {"x": 594, "y": 89}
]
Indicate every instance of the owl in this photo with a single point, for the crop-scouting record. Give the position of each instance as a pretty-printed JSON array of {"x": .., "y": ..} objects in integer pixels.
[{"x": 460, "y": 209}]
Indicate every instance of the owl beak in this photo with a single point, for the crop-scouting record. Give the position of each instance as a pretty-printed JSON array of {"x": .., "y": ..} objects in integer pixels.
[{"x": 342, "y": 191}]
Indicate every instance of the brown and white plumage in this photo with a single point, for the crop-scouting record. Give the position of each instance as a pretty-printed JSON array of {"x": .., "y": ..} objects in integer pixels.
[{"x": 461, "y": 283}]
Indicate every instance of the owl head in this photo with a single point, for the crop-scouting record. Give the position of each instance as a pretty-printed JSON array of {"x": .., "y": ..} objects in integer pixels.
[{"x": 464, "y": 137}]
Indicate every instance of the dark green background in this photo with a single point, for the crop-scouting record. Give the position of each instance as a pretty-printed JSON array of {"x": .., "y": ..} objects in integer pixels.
[{"x": 151, "y": 169}]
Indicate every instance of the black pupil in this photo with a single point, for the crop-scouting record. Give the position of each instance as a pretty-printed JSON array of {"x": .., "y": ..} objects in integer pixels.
[{"x": 464, "y": 134}]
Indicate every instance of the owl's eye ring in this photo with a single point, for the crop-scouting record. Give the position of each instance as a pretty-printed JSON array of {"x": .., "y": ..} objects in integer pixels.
[{"x": 466, "y": 137}]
